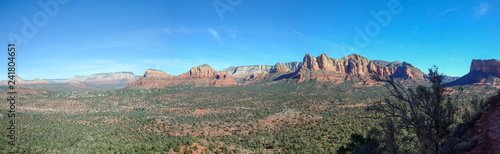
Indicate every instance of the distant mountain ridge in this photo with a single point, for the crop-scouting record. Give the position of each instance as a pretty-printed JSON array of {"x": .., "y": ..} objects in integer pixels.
[
  {"x": 322, "y": 68},
  {"x": 106, "y": 78},
  {"x": 203, "y": 75},
  {"x": 19, "y": 81},
  {"x": 95, "y": 79}
]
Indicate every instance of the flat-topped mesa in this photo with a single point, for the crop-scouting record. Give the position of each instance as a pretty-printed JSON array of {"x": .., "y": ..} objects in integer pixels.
[
  {"x": 482, "y": 72},
  {"x": 156, "y": 74},
  {"x": 486, "y": 66},
  {"x": 280, "y": 68}
]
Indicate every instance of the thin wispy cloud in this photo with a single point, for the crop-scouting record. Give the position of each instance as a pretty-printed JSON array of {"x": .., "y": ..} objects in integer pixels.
[
  {"x": 450, "y": 10},
  {"x": 482, "y": 9},
  {"x": 298, "y": 32},
  {"x": 167, "y": 30},
  {"x": 401, "y": 47},
  {"x": 215, "y": 35},
  {"x": 185, "y": 30}
]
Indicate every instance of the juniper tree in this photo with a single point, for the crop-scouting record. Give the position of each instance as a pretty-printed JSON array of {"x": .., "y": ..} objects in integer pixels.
[{"x": 414, "y": 119}]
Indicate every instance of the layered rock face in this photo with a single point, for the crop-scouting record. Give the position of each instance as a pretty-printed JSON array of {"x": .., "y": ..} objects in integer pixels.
[
  {"x": 325, "y": 63},
  {"x": 293, "y": 66},
  {"x": 482, "y": 72},
  {"x": 310, "y": 63},
  {"x": 245, "y": 71},
  {"x": 203, "y": 75},
  {"x": 324, "y": 68},
  {"x": 486, "y": 66}
]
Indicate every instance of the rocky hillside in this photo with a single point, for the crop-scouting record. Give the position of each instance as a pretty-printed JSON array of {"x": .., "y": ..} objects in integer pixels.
[
  {"x": 482, "y": 72},
  {"x": 203, "y": 75}
]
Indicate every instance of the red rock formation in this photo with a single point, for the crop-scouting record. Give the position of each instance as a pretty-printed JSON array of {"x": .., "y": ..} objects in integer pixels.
[
  {"x": 326, "y": 63},
  {"x": 310, "y": 63},
  {"x": 224, "y": 79},
  {"x": 156, "y": 74},
  {"x": 486, "y": 66},
  {"x": 203, "y": 75},
  {"x": 203, "y": 71},
  {"x": 323, "y": 68}
]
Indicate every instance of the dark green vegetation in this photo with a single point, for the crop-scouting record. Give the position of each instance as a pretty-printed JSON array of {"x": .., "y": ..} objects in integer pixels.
[
  {"x": 419, "y": 120},
  {"x": 77, "y": 87},
  {"x": 307, "y": 117}
]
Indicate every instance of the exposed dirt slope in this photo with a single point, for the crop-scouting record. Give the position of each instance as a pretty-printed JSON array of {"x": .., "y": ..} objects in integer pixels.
[{"x": 488, "y": 129}]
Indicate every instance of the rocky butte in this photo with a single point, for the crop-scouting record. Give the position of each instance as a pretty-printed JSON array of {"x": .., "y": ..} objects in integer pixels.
[
  {"x": 203, "y": 75},
  {"x": 482, "y": 72}
]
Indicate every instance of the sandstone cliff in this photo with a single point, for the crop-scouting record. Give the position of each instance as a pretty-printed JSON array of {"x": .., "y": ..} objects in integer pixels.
[
  {"x": 324, "y": 68},
  {"x": 245, "y": 71},
  {"x": 482, "y": 72},
  {"x": 486, "y": 66}
]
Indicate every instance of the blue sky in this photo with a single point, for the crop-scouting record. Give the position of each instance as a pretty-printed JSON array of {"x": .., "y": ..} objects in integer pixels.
[{"x": 88, "y": 37}]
